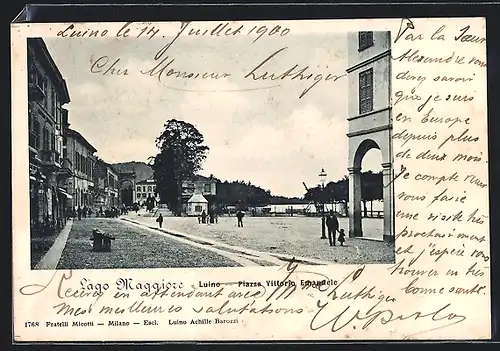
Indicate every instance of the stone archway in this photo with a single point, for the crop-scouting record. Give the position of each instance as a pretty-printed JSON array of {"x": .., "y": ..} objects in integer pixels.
[
  {"x": 358, "y": 147},
  {"x": 370, "y": 120},
  {"x": 127, "y": 192}
]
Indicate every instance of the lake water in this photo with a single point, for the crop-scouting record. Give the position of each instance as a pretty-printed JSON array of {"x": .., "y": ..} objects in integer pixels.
[{"x": 282, "y": 208}]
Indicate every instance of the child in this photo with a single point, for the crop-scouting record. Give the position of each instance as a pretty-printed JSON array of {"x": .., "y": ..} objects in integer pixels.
[{"x": 341, "y": 237}]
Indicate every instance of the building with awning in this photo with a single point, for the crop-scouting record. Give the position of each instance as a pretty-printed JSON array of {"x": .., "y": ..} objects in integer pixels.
[{"x": 49, "y": 171}]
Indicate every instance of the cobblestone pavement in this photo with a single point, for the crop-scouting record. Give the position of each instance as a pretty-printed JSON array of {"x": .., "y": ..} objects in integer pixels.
[
  {"x": 133, "y": 248},
  {"x": 296, "y": 236}
]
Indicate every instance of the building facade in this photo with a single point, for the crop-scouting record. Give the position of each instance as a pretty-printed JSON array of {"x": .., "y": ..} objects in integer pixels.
[
  {"x": 81, "y": 154},
  {"x": 106, "y": 186},
  {"x": 198, "y": 185},
  {"x": 49, "y": 170},
  {"x": 146, "y": 189},
  {"x": 369, "y": 120}
]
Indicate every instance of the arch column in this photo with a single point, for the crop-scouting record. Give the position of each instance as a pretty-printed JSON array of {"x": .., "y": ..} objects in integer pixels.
[
  {"x": 388, "y": 202},
  {"x": 355, "y": 228}
]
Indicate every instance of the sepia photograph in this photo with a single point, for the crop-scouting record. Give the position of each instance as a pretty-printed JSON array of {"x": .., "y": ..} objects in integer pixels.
[{"x": 154, "y": 153}]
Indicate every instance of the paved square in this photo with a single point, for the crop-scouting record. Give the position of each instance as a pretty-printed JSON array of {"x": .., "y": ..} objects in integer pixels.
[{"x": 295, "y": 236}]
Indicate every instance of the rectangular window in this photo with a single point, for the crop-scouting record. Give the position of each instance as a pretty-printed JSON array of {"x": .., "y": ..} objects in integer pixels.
[
  {"x": 36, "y": 130},
  {"x": 198, "y": 208},
  {"x": 365, "y": 40},
  {"x": 207, "y": 188},
  {"x": 31, "y": 126},
  {"x": 54, "y": 105},
  {"x": 366, "y": 91},
  {"x": 46, "y": 138},
  {"x": 59, "y": 115},
  {"x": 41, "y": 81}
]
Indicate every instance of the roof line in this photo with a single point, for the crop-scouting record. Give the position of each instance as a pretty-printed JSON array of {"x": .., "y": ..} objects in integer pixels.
[{"x": 82, "y": 138}]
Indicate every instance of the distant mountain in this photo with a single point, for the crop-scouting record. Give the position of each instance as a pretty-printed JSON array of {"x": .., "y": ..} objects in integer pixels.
[{"x": 142, "y": 170}]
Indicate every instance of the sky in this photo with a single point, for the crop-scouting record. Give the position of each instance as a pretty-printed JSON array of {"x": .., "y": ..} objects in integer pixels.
[{"x": 257, "y": 131}]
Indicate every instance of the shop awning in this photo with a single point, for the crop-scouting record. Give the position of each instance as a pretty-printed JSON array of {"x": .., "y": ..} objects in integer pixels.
[{"x": 65, "y": 194}]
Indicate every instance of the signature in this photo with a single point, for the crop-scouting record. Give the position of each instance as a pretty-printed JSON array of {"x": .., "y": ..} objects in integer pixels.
[
  {"x": 383, "y": 316},
  {"x": 376, "y": 313}
]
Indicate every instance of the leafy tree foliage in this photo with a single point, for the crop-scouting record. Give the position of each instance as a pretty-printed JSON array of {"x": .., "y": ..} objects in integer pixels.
[
  {"x": 181, "y": 154},
  {"x": 241, "y": 194},
  {"x": 338, "y": 192}
]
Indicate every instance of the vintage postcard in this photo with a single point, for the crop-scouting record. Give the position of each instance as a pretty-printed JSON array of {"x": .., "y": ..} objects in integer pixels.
[{"x": 255, "y": 180}]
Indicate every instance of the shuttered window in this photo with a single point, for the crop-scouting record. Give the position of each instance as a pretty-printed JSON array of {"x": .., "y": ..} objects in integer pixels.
[
  {"x": 366, "y": 91},
  {"x": 365, "y": 40}
]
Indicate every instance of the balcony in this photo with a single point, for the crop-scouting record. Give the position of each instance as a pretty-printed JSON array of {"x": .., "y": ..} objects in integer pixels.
[
  {"x": 66, "y": 167},
  {"x": 50, "y": 159},
  {"x": 35, "y": 92}
]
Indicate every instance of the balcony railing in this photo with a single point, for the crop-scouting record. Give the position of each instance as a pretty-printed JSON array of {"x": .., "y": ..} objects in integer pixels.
[{"x": 50, "y": 158}]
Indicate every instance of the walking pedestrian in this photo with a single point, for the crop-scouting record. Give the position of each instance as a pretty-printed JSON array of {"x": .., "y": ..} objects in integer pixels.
[
  {"x": 341, "y": 237},
  {"x": 79, "y": 211},
  {"x": 160, "y": 220},
  {"x": 203, "y": 216},
  {"x": 332, "y": 224},
  {"x": 240, "y": 216}
]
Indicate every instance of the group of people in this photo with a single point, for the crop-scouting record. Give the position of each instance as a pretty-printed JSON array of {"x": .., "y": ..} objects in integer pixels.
[
  {"x": 332, "y": 223},
  {"x": 210, "y": 218},
  {"x": 84, "y": 212}
]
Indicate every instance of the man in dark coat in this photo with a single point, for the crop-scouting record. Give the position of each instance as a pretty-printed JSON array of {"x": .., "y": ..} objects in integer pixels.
[
  {"x": 240, "y": 216},
  {"x": 332, "y": 224}
]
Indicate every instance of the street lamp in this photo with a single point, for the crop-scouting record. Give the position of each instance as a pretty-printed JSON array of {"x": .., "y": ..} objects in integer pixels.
[{"x": 322, "y": 177}]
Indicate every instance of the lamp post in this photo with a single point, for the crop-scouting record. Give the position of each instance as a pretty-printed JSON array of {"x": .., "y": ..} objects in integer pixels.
[{"x": 322, "y": 177}]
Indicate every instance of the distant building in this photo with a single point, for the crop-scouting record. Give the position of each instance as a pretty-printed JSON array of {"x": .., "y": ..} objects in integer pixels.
[
  {"x": 81, "y": 154},
  {"x": 198, "y": 185},
  {"x": 196, "y": 204},
  {"x": 47, "y": 93},
  {"x": 106, "y": 186},
  {"x": 146, "y": 189}
]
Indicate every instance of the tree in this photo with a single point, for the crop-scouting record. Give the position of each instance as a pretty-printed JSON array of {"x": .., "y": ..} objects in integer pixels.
[
  {"x": 181, "y": 154},
  {"x": 371, "y": 189}
]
